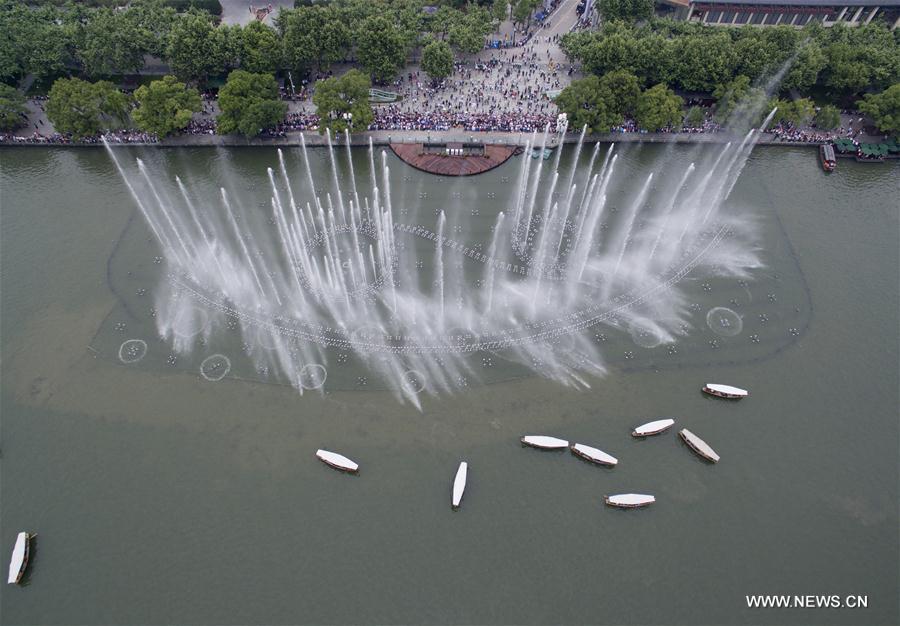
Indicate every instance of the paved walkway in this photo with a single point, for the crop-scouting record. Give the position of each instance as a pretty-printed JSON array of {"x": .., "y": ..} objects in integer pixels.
[{"x": 238, "y": 11}]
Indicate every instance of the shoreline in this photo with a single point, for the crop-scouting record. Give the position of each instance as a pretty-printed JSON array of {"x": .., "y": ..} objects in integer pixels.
[{"x": 385, "y": 138}]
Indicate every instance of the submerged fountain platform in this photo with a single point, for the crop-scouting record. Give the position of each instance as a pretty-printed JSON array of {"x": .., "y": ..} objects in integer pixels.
[{"x": 453, "y": 159}]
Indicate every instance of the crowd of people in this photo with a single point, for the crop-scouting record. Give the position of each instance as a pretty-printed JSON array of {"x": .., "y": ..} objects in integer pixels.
[{"x": 118, "y": 136}]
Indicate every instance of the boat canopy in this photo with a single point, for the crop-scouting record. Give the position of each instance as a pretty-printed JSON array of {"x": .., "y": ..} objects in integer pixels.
[
  {"x": 18, "y": 558},
  {"x": 735, "y": 391},
  {"x": 631, "y": 499}
]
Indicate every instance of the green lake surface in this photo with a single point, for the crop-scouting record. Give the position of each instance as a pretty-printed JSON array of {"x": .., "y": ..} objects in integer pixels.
[{"x": 162, "y": 498}]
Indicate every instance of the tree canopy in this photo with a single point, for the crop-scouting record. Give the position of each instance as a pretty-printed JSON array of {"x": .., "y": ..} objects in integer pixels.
[
  {"x": 343, "y": 103},
  {"x": 589, "y": 102},
  {"x": 437, "y": 60},
  {"x": 12, "y": 107},
  {"x": 627, "y": 10},
  {"x": 658, "y": 108},
  {"x": 82, "y": 108},
  {"x": 884, "y": 108},
  {"x": 381, "y": 48},
  {"x": 195, "y": 49},
  {"x": 249, "y": 104},
  {"x": 165, "y": 106}
]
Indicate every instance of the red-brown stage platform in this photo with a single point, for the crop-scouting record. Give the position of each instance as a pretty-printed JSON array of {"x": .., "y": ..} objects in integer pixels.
[{"x": 453, "y": 159}]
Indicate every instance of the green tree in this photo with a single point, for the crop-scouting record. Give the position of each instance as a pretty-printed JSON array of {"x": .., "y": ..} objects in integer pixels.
[
  {"x": 624, "y": 89},
  {"x": 12, "y": 107},
  {"x": 249, "y": 104},
  {"x": 702, "y": 62},
  {"x": 195, "y": 51},
  {"x": 694, "y": 118},
  {"x": 499, "y": 11},
  {"x": 626, "y": 10},
  {"x": 380, "y": 48},
  {"x": 343, "y": 103},
  {"x": 804, "y": 73},
  {"x": 657, "y": 108},
  {"x": 165, "y": 106},
  {"x": 34, "y": 41},
  {"x": 522, "y": 10},
  {"x": 81, "y": 108},
  {"x": 828, "y": 117},
  {"x": 468, "y": 31},
  {"x": 111, "y": 43},
  {"x": 315, "y": 35},
  {"x": 589, "y": 102},
  {"x": 437, "y": 60},
  {"x": 261, "y": 48},
  {"x": 884, "y": 109}
]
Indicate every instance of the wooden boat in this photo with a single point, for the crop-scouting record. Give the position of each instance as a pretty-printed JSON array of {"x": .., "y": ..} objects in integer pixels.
[
  {"x": 698, "y": 445},
  {"x": 459, "y": 484},
  {"x": 593, "y": 454},
  {"x": 19, "y": 562},
  {"x": 337, "y": 461},
  {"x": 725, "y": 391},
  {"x": 653, "y": 428},
  {"x": 826, "y": 155},
  {"x": 545, "y": 443},
  {"x": 629, "y": 500}
]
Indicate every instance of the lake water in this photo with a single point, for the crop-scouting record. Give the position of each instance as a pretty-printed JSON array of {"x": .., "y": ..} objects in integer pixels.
[{"x": 162, "y": 497}]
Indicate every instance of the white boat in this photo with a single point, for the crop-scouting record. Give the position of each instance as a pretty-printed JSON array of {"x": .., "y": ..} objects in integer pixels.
[
  {"x": 459, "y": 484},
  {"x": 546, "y": 443},
  {"x": 725, "y": 391},
  {"x": 19, "y": 560},
  {"x": 337, "y": 461},
  {"x": 652, "y": 428},
  {"x": 698, "y": 445},
  {"x": 629, "y": 500},
  {"x": 593, "y": 454}
]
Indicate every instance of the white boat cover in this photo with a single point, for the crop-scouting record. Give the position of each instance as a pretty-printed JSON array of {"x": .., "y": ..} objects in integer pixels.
[
  {"x": 631, "y": 499},
  {"x": 18, "y": 556},
  {"x": 459, "y": 483},
  {"x": 734, "y": 391},
  {"x": 541, "y": 441},
  {"x": 595, "y": 455},
  {"x": 653, "y": 427},
  {"x": 333, "y": 458},
  {"x": 701, "y": 446}
]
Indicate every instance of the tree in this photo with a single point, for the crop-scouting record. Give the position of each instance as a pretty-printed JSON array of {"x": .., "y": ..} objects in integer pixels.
[
  {"x": 12, "y": 107},
  {"x": 317, "y": 34},
  {"x": 111, "y": 43},
  {"x": 806, "y": 68},
  {"x": 884, "y": 109},
  {"x": 343, "y": 103},
  {"x": 499, "y": 11},
  {"x": 380, "y": 48},
  {"x": 626, "y": 10},
  {"x": 33, "y": 41},
  {"x": 828, "y": 117},
  {"x": 194, "y": 51},
  {"x": 694, "y": 118},
  {"x": 589, "y": 102},
  {"x": 260, "y": 49},
  {"x": 624, "y": 90},
  {"x": 702, "y": 62},
  {"x": 81, "y": 108},
  {"x": 249, "y": 104},
  {"x": 437, "y": 60},
  {"x": 521, "y": 13},
  {"x": 468, "y": 31},
  {"x": 165, "y": 106},
  {"x": 657, "y": 108}
]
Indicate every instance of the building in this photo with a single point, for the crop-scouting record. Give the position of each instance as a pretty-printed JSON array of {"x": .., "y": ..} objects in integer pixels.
[{"x": 786, "y": 12}]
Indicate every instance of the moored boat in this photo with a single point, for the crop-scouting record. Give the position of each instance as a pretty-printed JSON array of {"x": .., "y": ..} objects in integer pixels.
[
  {"x": 725, "y": 391},
  {"x": 459, "y": 484},
  {"x": 699, "y": 446},
  {"x": 826, "y": 155},
  {"x": 653, "y": 428},
  {"x": 629, "y": 500},
  {"x": 593, "y": 454},
  {"x": 19, "y": 562},
  {"x": 544, "y": 442},
  {"x": 337, "y": 461}
]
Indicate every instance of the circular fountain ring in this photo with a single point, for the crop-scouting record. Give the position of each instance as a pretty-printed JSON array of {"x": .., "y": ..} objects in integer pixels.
[
  {"x": 312, "y": 376},
  {"x": 132, "y": 350},
  {"x": 215, "y": 367},
  {"x": 724, "y": 322},
  {"x": 413, "y": 381}
]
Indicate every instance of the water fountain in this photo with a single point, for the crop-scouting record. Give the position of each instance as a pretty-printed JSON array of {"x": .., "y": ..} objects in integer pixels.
[{"x": 328, "y": 266}]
